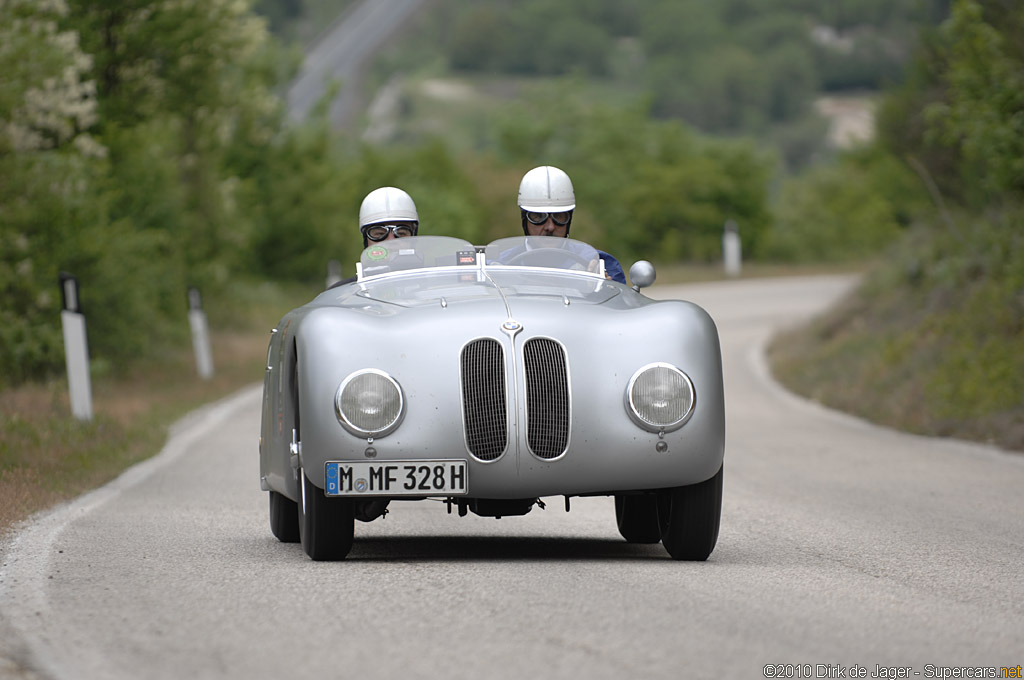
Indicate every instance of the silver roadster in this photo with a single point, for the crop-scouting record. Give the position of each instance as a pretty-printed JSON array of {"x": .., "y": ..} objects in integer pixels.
[{"x": 489, "y": 377}]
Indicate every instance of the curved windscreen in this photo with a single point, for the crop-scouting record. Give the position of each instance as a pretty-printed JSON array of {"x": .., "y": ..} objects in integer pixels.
[
  {"x": 549, "y": 252},
  {"x": 427, "y": 252},
  {"x": 416, "y": 252}
]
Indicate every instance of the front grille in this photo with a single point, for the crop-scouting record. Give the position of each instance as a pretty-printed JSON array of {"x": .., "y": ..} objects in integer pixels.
[
  {"x": 547, "y": 397},
  {"x": 483, "y": 398}
]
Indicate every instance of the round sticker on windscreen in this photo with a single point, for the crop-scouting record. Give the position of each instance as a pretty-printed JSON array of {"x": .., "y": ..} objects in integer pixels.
[{"x": 378, "y": 253}]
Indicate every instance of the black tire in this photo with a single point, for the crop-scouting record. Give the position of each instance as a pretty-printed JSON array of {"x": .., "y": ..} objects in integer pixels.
[
  {"x": 689, "y": 517},
  {"x": 284, "y": 518},
  {"x": 637, "y": 518},
  {"x": 326, "y": 525}
]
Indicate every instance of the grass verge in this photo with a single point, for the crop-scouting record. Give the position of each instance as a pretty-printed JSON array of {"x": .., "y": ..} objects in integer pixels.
[
  {"x": 931, "y": 342},
  {"x": 46, "y": 456}
]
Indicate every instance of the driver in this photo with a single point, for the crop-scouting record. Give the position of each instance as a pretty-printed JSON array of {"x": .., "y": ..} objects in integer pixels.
[{"x": 546, "y": 203}]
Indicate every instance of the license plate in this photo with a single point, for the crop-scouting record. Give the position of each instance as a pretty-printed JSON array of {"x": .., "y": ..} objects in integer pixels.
[{"x": 397, "y": 478}]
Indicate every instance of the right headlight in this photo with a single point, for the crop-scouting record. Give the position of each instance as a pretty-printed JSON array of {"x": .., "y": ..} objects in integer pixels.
[
  {"x": 660, "y": 397},
  {"x": 369, "y": 403}
]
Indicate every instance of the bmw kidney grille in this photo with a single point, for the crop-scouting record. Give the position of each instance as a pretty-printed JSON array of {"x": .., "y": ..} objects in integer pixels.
[
  {"x": 483, "y": 398},
  {"x": 547, "y": 397}
]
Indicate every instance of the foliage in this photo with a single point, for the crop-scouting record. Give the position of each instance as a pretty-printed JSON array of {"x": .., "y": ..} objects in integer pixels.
[
  {"x": 117, "y": 123},
  {"x": 143, "y": 150},
  {"x": 984, "y": 112},
  {"x": 307, "y": 192},
  {"x": 46, "y": 104},
  {"x": 189, "y": 73},
  {"x": 849, "y": 210},
  {"x": 904, "y": 129},
  {"x": 644, "y": 188},
  {"x": 301, "y": 21},
  {"x": 960, "y": 114},
  {"x": 45, "y": 101},
  {"x": 726, "y": 66},
  {"x": 279, "y": 13},
  {"x": 46, "y": 456},
  {"x": 931, "y": 342},
  {"x": 956, "y": 124}
]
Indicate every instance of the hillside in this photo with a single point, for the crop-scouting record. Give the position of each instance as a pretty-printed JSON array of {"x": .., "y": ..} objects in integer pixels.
[
  {"x": 768, "y": 70},
  {"x": 932, "y": 341}
]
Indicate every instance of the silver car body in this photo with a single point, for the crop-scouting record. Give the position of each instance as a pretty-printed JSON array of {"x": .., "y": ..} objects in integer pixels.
[{"x": 412, "y": 314}]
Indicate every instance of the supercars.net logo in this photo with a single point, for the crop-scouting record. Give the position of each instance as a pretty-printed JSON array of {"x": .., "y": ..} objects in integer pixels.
[{"x": 823, "y": 670}]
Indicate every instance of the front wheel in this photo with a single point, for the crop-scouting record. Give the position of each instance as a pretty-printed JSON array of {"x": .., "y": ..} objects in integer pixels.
[
  {"x": 284, "y": 518},
  {"x": 326, "y": 525},
  {"x": 637, "y": 518},
  {"x": 689, "y": 517}
]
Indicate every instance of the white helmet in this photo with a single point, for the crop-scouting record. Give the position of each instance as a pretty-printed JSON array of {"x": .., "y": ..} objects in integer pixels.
[
  {"x": 546, "y": 189},
  {"x": 387, "y": 204}
]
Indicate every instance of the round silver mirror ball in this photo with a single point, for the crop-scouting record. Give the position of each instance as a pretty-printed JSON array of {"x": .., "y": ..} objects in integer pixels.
[{"x": 642, "y": 274}]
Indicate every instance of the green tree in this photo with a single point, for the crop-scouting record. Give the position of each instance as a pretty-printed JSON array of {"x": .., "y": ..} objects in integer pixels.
[
  {"x": 983, "y": 113},
  {"x": 120, "y": 130},
  {"x": 47, "y": 104},
  {"x": 189, "y": 72},
  {"x": 647, "y": 188},
  {"x": 847, "y": 211},
  {"x": 905, "y": 130},
  {"x": 309, "y": 190}
]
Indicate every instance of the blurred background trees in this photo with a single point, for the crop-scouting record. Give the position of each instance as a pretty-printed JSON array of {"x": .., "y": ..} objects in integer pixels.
[{"x": 144, "y": 147}]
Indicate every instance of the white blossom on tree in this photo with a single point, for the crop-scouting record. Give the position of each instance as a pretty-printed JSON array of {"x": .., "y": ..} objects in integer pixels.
[{"x": 45, "y": 100}]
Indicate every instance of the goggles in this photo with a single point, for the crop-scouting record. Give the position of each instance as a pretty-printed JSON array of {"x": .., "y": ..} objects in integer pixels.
[
  {"x": 559, "y": 218},
  {"x": 379, "y": 232}
]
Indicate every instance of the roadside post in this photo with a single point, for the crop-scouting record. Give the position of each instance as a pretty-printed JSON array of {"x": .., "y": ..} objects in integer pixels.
[
  {"x": 200, "y": 334},
  {"x": 732, "y": 249},
  {"x": 333, "y": 273},
  {"x": 76, "y": 348}
]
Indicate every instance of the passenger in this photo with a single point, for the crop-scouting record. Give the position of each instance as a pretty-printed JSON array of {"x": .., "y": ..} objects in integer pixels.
[
  {"x": 387, "y": 213},
  {"x": 546, "y": 203}
]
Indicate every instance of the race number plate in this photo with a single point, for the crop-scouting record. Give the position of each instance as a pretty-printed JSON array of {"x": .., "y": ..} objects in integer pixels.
[{"x": 397, "y": 478}]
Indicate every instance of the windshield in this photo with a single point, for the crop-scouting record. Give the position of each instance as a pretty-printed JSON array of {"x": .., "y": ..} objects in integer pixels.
[
  {"x": 550, "y": 252},
  {"x": 427, "y": 252},
  {"x": 416, "y": 252}
]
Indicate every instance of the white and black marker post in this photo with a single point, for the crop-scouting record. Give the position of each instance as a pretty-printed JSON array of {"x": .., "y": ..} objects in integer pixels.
[
  {"x": 76, "y": 348},
  {"x": 200, "y": 334},
  {"x": 732, "y": 252}
]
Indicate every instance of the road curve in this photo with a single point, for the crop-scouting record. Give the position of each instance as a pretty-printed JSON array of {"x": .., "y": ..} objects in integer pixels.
[
  {"x": 842, "y": 544},
  {"x": 340, "y": 54}
]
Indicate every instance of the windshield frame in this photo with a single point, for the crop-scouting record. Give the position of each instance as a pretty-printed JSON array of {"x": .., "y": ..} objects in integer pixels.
[{"x": 376, "y": 260}]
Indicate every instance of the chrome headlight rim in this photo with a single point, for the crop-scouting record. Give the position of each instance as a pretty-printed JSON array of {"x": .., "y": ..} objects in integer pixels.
[
  {"x": 633, "y": 411},
  {"x": 347, "y": 423}
]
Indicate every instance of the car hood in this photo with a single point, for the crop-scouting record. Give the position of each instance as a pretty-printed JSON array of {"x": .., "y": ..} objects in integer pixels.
[{"x": 507, "y": 290}]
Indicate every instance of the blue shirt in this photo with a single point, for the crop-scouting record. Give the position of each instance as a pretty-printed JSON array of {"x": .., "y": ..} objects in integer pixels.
[{"x": 612, "y": 267}]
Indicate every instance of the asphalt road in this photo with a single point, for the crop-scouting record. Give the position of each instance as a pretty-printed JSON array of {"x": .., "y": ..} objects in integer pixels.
[
  {"x": 340, "y": 55},
  {"x": 841, "y": 544}
]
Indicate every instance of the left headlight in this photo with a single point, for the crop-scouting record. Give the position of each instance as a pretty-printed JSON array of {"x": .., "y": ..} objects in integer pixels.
[
  {"x": 369, "y": 403},
  {"x": 660, "y": 397}
]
